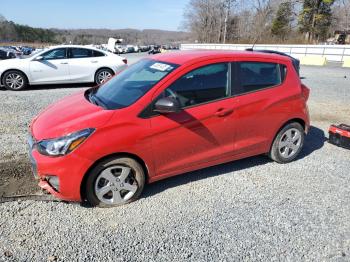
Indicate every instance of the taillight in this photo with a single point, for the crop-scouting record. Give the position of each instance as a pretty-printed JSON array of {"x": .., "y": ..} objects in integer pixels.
[
  {"x": 125, "y": 61},
  {"x": 305, "y": 91}
]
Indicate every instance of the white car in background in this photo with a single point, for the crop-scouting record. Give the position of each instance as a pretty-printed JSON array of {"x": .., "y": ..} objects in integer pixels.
[{"x": 60, "y": 65}]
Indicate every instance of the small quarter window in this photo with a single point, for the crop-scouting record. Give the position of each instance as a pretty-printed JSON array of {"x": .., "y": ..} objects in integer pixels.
[{"x": 283, "y": 69}]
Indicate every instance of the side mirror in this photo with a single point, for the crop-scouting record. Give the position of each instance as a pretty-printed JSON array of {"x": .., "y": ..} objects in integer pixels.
[
  {"x": 38, "y": 58},
  {"x": 167, "y": 105}
]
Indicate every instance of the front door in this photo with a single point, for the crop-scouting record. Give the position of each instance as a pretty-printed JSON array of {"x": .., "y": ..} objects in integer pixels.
[
  {"x": 202, "y": 131},
  {"x": 52, "y": 68}
]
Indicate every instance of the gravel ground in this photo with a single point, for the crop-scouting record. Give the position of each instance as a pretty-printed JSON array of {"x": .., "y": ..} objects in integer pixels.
[{"x": 252, "y": 209}]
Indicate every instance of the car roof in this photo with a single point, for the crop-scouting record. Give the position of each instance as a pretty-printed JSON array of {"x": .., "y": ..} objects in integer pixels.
[
  {"x": 75, "y": 46},
  {"x": 182, "y": 57},
  {"x": 6, "y": 49}
]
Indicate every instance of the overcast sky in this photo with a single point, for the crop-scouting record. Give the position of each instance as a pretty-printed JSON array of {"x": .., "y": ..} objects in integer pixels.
[{"x": 113, "y": 14}]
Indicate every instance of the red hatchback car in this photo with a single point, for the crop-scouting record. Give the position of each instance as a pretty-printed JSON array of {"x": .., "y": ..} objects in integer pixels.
[{"x": 166, "y": 115}]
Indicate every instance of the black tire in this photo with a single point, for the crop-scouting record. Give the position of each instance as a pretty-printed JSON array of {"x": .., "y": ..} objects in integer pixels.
[
  {"x": 98, "y": 80},
  {"x": 137, "y": 177},
  {"x": 22, "y": 81},
  {"x": 279, "y": 152}
]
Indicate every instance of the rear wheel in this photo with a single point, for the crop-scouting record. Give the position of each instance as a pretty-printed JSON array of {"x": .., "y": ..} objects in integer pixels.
[
  {"x": 115, "y": 182},
  {"x": 15, "y": 80},
  {"x": 288, "y": 143},
  {"x": 103, "y": 75}
]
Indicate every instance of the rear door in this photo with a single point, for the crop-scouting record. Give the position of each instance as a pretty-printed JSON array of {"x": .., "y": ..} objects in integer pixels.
[
  {"x": 259, "y": 89},
  {"x": 202, "y": 131},
  {"x": 52, "y": 68},
  {"x": 83, "y": 63}
]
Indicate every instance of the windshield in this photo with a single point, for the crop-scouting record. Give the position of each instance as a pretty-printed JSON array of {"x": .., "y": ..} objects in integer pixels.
[
  {"x": 35, "y": 53},
  {"x": 132, "y": 83}
]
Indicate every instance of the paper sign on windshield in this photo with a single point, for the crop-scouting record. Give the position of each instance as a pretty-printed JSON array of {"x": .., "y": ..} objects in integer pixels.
[{"x": 161, "y": 66}]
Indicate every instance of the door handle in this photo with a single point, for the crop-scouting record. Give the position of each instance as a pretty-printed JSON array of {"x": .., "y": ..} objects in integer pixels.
[
  {"x": 223, "y": 112},
  {"x": 64, "y": 63},
  {"x": 94, "y": 61}
]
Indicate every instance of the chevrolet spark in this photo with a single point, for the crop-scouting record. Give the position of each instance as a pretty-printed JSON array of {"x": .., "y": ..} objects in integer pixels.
[{"x": 167, "y": 115}]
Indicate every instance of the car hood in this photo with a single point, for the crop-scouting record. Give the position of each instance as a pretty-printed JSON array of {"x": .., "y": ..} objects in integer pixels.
[
  {"x": 68, "y": 115},
  {"x": 12, "y": 62}
]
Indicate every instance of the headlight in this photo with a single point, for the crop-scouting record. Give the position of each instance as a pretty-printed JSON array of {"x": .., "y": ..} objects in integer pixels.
[{"x": 63, "y": 145}]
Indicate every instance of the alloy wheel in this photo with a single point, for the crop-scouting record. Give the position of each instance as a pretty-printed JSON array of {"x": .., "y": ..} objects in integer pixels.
[
  {"x": 103, "y": 76},
  {"x": 290, "y": 143},
  {"x": 115, "y": 185},
  {"x": 14, "y": 81}
]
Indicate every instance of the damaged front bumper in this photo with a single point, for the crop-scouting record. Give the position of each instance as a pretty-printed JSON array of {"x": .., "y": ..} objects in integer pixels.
[{"x": 59, "y": 176}]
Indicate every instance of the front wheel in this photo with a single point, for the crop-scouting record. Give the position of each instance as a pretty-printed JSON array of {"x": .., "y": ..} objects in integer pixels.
[
  {"x": 115, "y": 182},
  {"x": 15, "y": 80},
  {"x": 288, "y": 143}
]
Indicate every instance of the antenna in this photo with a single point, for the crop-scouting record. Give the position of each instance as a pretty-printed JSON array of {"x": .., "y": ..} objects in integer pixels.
[{"x": 256, "y": 40}]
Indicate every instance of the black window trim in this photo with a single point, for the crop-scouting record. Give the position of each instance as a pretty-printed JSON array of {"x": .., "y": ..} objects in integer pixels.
[
  {"x": 66, "y": 53},
  {"x": 148, "y": 112},
  {"x": 70, "y": 55}
]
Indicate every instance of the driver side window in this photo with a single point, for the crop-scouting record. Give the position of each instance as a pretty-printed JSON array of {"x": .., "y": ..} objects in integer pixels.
[
  {"x": 201, "y": 85},
  {"x": 59, "y": 53}
]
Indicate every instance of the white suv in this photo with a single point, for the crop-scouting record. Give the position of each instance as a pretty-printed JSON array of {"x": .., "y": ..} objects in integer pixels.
[{"x": 60, "y": 65}]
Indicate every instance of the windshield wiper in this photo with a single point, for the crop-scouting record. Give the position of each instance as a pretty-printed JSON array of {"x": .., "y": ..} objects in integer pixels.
[{"x": 96, "y": 101}]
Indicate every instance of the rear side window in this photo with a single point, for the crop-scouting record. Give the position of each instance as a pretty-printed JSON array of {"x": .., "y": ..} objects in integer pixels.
[
  {"x": 201, "y": 85},
  {"x": 80, "y": 53},
  {"x": 97, "y": 53},
  {"x": 253, "y": 76}
]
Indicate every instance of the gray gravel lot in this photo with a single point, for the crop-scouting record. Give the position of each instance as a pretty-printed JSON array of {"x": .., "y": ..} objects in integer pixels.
[{"x": 252, "y": 209}]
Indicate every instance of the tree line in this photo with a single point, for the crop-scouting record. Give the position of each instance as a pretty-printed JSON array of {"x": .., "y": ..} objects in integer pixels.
[
  {"x": 13, "y": 32},
  {"x": 10, "y": 31},
  {"x": 213, "y": 21},
  {"x": 293, "y": 21}
]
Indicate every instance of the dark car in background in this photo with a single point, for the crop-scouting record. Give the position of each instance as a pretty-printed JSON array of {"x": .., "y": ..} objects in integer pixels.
[
  {"x": 15, "y": 49},
  {"x": 6, "y": 53},
  {"x": 27, "y": 50},
  {"x": 144, "y": 48},
  {"x": 154, "y": 50}
]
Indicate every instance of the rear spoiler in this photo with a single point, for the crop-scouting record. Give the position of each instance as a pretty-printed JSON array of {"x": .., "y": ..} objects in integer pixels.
[{"x": 296, "y": 62}]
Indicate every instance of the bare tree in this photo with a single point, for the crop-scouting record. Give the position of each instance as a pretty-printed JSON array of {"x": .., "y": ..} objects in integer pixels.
[
  {"x": 341, "y": 14},
  {"x": 206, "y": 19}
]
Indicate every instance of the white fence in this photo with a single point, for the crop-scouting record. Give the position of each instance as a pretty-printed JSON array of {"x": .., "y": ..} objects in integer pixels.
[{"x": 335, "y": 53}]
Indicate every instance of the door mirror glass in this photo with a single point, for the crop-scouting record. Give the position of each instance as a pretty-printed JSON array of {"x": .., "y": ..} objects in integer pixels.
[{"x": 167, "y": 105}]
